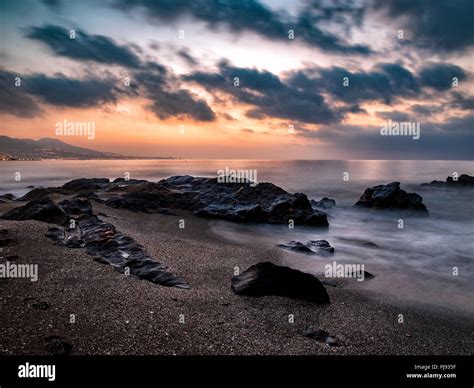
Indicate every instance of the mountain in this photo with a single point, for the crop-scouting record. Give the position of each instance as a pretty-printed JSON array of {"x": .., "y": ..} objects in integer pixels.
[{"x": 47, "y": 148}]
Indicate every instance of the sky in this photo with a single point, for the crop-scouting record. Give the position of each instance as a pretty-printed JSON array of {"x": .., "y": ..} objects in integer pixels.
[{"x": 242, "y": 79}]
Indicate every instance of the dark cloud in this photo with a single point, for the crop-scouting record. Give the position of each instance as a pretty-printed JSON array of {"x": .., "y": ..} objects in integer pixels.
[
  {"x": 63, "y": 91},
  {"x": 439, "y": 76},
  {"x": 55, "y": 4},
  {"x": 434, "y": 24},
  {"x": 425, "y": 110},
  {"x": 15, "y": 100},
  {"x": 385, "y": 83},
  {"x": 188, "y": 58},
  {"x": 268, "y": 95},
  {"x": 168, "y": 99},
  {"x": 96, "y": 48},
  {"x": 463, "y": 102},
  {"x": 395, "y": 116},
  {"x": 251, "y": 15},
  {"x": 247, "y": 130}
]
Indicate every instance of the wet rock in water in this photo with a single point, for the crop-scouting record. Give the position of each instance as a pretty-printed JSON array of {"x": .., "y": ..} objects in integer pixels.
[
  {"x": 313, "y": 247},
  {"x": 390, "y": 196},
  {"x": 264, "y": 279},
  {"x": 40, "y": 210},
  {"x": 36, "y": 194},
  {"x": 325, "y": 203},
  {"x": 5, "y": 198},
  {"x": 241, "y": 202},
  {"x": 206, "y": 197},
  {"x": 321, "y": 336},
  {"x": 57, "y": 346},
  {"x": 463, "y": 180},
  {"x": 361, "y": 242}
]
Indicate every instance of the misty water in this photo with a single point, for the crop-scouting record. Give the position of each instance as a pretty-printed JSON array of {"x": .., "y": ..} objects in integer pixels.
[{"x": 414, "y": 263}]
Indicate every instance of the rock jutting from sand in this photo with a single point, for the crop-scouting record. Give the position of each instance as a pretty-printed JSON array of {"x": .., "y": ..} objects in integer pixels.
[
  {"x": 40, "y": 210},
  {"x": 266, "y": 279},
  {"x": 463, "y": 180},
  {"x": 389, "y": 197},
  {"x": 100, "y": 239},
  {"x": 313, "y": 247}
]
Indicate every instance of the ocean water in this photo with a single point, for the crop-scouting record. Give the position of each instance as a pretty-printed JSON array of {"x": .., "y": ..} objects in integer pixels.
[{"x": 414, "y": 263}]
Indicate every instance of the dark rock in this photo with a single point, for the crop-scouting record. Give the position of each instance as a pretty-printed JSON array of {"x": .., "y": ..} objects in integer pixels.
[
  {"x": 269, "y": 279},
  {"x": 91, "y": 195},
  {"x": 321, "y": 336},
  {"x": 85, "y": 184},
  {"x": 5, "y": 198},
  {"x": 206, "y": 197},
  {"x": 241, "y": 202},
  {"x": 41, "y": 210},
  {"x": 325, "y": 203},
  {"x": 391, "y": 197},
  {"x": 123, "y": 181},
  {"x": 57, "y": 346},
  {"x": 76, "y": 206},
  {"x": 463, "y": 180},
  {"x": 36, "y": 194},
  {"x": 361, "y": 242},
  {"x": 109, "y": 246},
  {"x": 313, "y": 247}
]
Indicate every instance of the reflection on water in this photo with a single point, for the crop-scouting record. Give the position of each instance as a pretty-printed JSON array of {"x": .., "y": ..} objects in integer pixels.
[{"x": 415, "y": 262}]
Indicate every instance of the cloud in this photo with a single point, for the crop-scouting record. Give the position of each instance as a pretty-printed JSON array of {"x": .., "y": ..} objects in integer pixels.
[
  {"x": 85, "y": 47},
  {"x": 453, "y": 137},
  {"x": 439, "y": 76},
  {"x": 15, "y": 100},
  {"x": 434, "y": 24},
  {"x": 251, "y": 15},
  {"x": 385, "y": 82},
  {"x": 188, "y": 58},
  {"x": 68, "y": 92},
  {"x": 168, "y": 99},
  {"x": 463, "y": 102},
  {"x": 395, "y": 116},
  {"x": 268, "y": 94}
]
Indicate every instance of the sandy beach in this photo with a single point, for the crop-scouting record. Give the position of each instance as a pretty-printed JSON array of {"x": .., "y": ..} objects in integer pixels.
[{"x": 123, "y": 315}]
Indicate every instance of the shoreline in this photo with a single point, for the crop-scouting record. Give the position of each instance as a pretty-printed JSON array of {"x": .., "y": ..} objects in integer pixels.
[{"x": 116, "y": 314}]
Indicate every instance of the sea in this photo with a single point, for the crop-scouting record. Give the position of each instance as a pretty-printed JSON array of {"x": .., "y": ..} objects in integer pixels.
[{"x": 429, "y": 261}]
